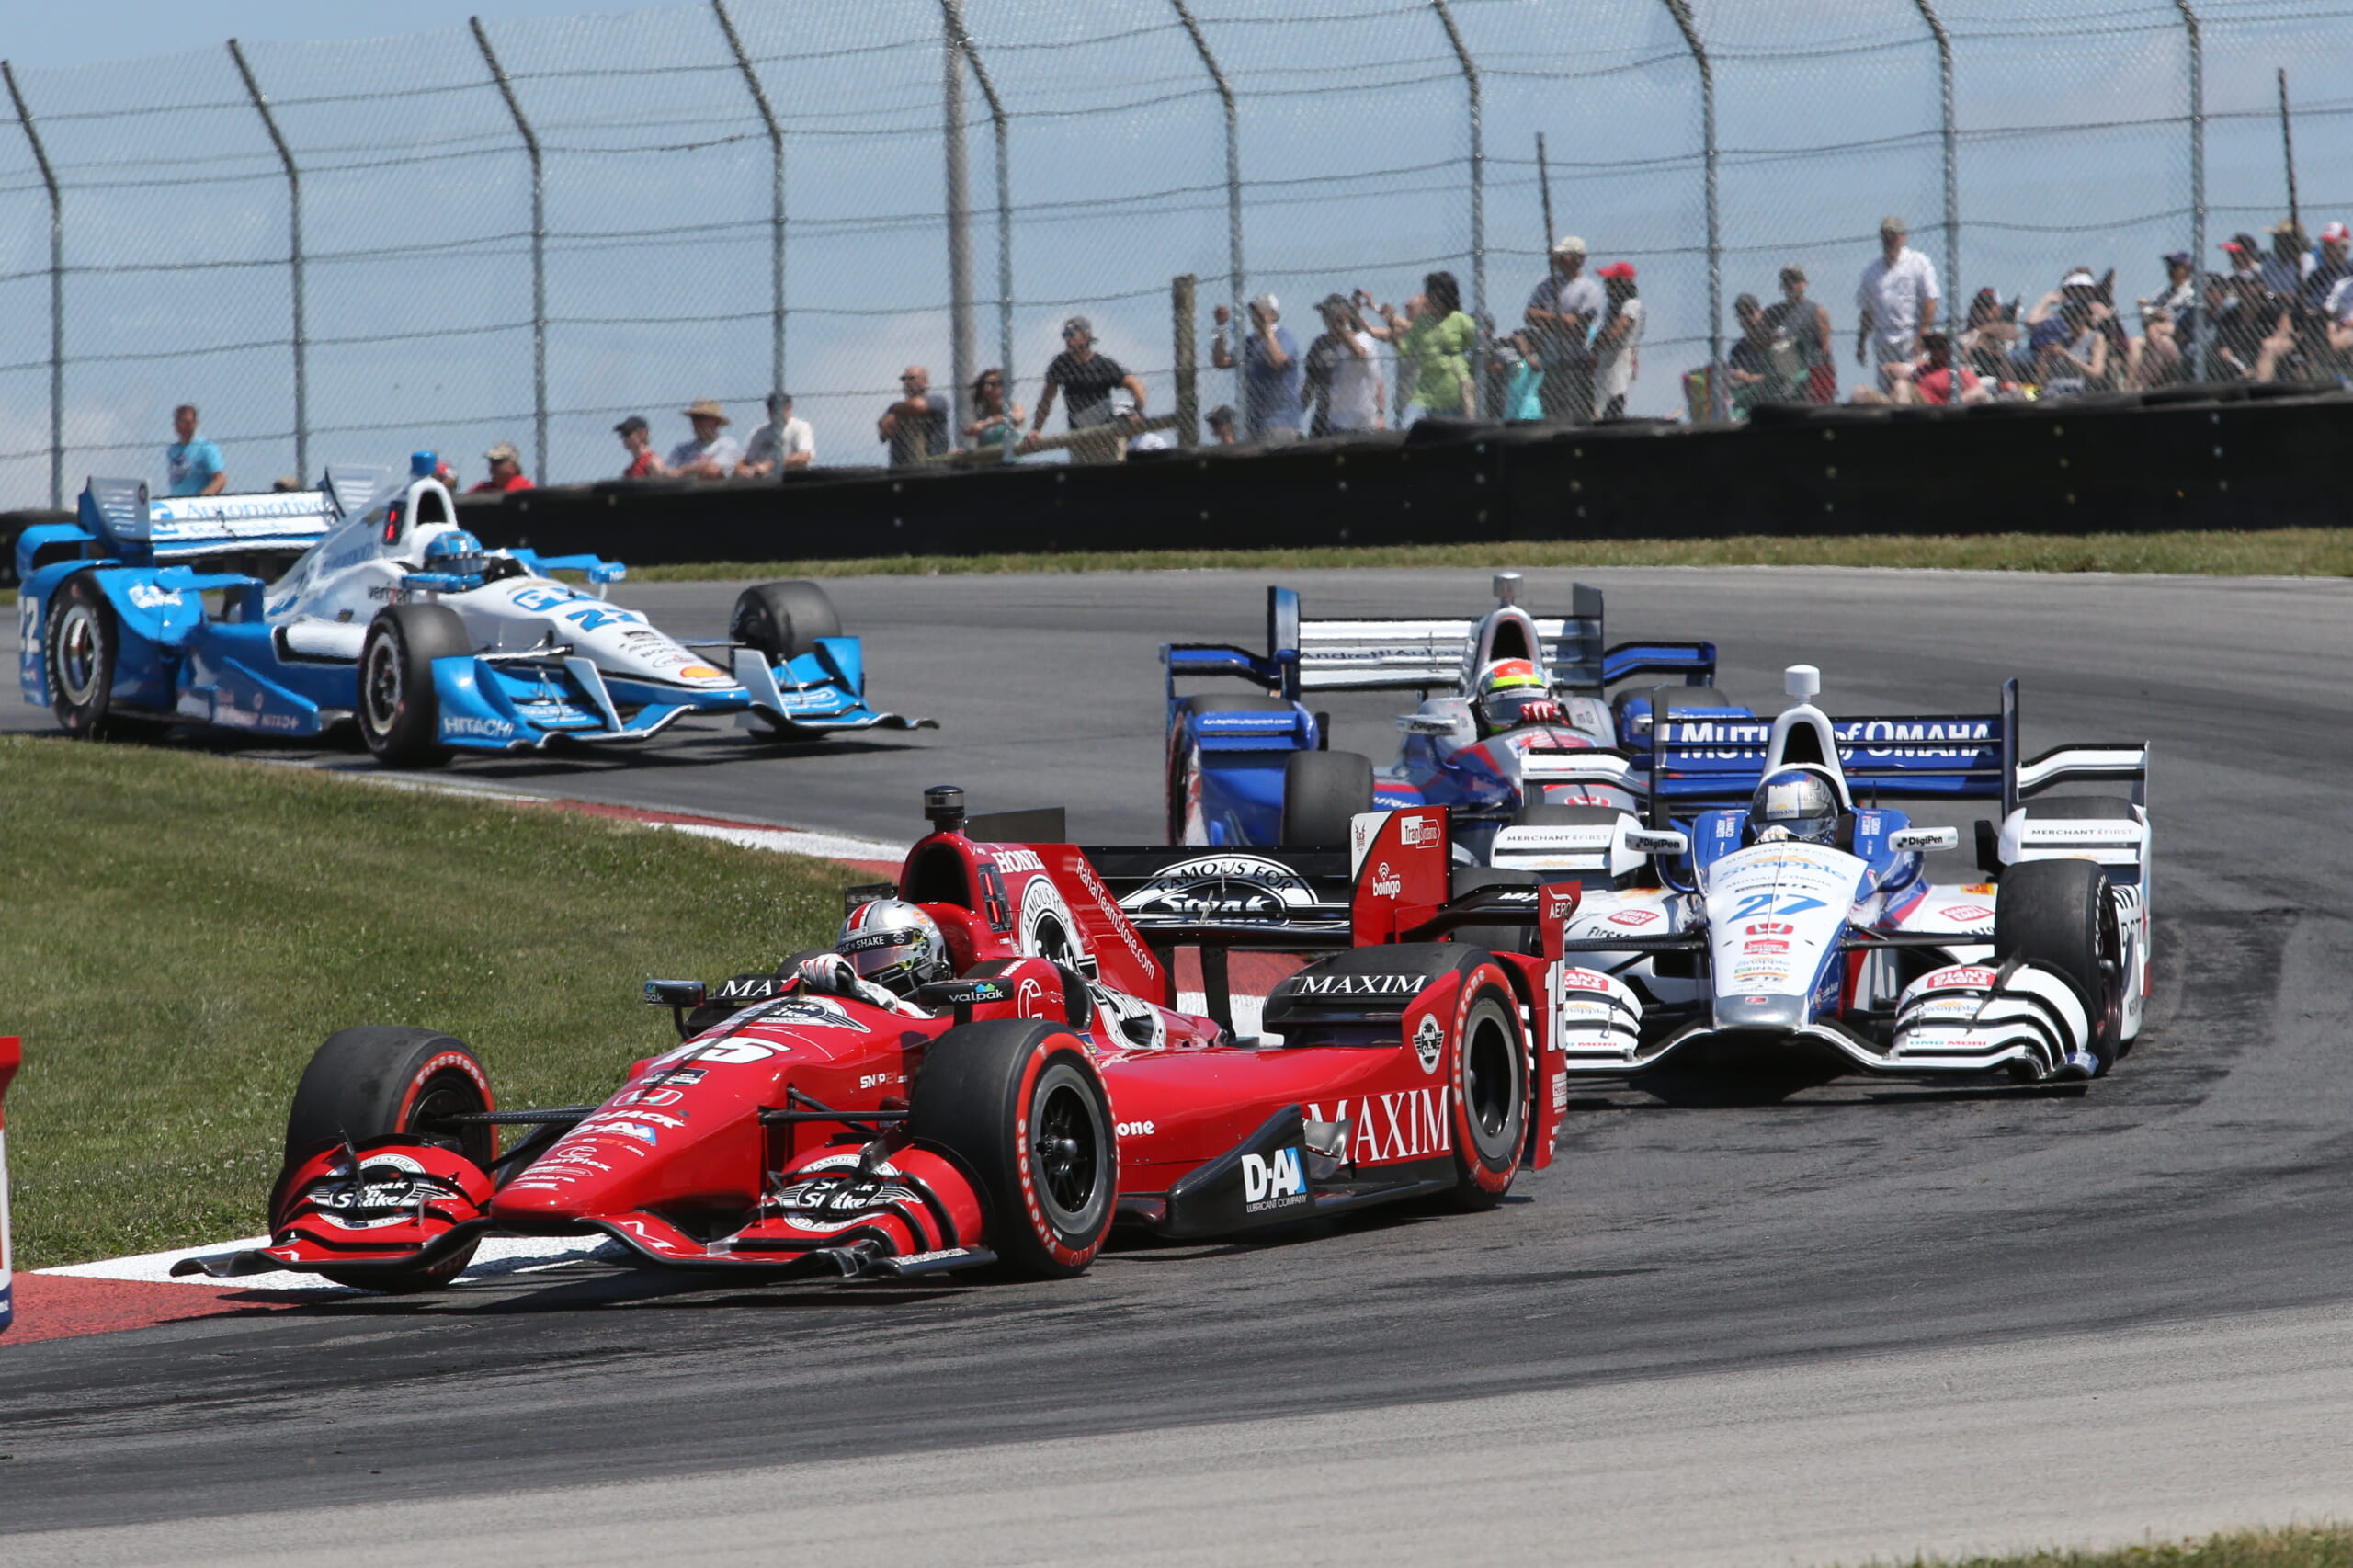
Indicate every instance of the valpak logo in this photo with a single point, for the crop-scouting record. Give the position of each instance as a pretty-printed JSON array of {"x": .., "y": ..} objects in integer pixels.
[
  {"x": 1358, "y": 984},
  {"x": 1274, "y": 1181}
]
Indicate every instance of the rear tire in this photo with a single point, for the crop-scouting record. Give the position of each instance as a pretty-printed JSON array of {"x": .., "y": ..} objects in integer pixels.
[
  {"x": 1018, "y": 1104},
  {"x": 399, "y": 712},
  {"x": 783, "y": 620},
  {"x": 2059, "y": 913},
  {"x": 79, "y": 642},
  {"x": 1323, "y": 792},
  {"x": 1490, "y": 1094},
  {"x": 1182, "y": 779},
  {"x": 380, "y": 1080}
]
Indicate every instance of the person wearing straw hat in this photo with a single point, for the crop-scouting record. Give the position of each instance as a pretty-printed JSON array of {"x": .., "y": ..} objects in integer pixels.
[{"x": 712, "y": 454}]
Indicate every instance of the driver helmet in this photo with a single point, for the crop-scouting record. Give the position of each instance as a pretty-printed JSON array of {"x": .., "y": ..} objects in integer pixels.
[
  {"x": 894, "y": 944},
  {"x": 451, "y": 543},
  {"x": 1506, "y": 688},
  {"x": 1794, "y": 803}
]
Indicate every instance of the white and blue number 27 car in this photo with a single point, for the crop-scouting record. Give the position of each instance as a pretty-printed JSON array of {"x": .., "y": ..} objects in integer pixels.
[{"x": 364, "y": 601}]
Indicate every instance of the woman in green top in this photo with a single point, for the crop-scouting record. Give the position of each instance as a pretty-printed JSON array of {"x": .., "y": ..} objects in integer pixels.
[{"x": 1436, "y": 347}]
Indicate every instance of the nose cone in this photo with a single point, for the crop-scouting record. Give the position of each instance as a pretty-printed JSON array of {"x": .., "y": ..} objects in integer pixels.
[{"x": 1754, "y": 1012}]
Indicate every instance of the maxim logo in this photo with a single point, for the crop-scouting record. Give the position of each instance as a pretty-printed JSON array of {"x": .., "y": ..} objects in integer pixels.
[{"x": 1392, "y": 985}]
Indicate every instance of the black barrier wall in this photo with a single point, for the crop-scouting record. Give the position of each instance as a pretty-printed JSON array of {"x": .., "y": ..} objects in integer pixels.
[{"x": 2255, "y": 458}]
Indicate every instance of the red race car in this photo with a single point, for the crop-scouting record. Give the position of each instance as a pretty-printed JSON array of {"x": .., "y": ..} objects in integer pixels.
[{"x": 1011, "y": 1116}]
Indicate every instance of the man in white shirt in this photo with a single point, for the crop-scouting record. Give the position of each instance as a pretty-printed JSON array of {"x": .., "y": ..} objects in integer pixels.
[
  {"x": 1562, "y": 309},
  {"x": 712, "y": 454},
  {"x": 782, "y": 443},
  {"x": 1898, "y": 300}
]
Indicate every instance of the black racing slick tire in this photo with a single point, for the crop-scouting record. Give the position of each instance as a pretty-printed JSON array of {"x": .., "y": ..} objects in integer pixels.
[
  {"x": 2059, "y": 914},
  {"x": 1491, "y": 1078},
  {"x": 1018, "y": 1105},
  {"x": 399, "y": 713},
  {"x": 1181, "y": 779},
  {"x": 783, "y": 620},
  {"x": 1323, "y": 792},
  {"x": 380, "y": 1079},
  {"x": 80, "y": 642}
]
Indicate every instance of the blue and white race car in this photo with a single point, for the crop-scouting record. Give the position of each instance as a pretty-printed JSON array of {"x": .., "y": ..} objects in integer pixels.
[
  {"x": 1516, "y": 691},
  {"x": 291, "y": 614},
  {"x": 1773, "y": 907}
]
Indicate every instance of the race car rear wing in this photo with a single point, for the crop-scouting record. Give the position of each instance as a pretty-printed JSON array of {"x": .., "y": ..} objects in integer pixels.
[
  {"x": 1418, "y": 654},
  {"x": 133, "y": 526},
  {"x": 1720, "y": 761}
]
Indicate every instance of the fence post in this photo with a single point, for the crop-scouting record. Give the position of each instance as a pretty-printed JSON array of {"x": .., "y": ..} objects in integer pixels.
[
  {"x": 776, "y": 195},
  {"x": 539, "y": 249},
  {"x": 293, "y": 261},
  {"x": 1957, "y": 313},
  {"x": 998, "y": 126},
  {"x": 1681, "y": 11},
  {"x": 1234, "y": 290},
  {"x": 1478, "y": 197},
  {"x": 961, "y": 343},
  {"x": 1183, "y": 308},
  {"x": 56, "y": 293},
  {"x": 2197, "y": 187}
]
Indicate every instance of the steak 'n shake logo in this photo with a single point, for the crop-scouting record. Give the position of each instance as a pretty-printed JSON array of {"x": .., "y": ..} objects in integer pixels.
[{"x": 1245, "y": 889}]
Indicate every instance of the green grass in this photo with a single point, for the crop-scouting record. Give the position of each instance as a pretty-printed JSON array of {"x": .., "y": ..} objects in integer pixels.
[
  {"x": 2284, "y": 552},
  {"x": 2298, "y": 1546},
  {"x": 184, "y": 930}
]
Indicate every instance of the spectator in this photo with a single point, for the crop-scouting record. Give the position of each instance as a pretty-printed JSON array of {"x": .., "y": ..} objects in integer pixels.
[
  {"x": 1271, "y": 372},
  {"x": 285, "y": 484},
  {"x": 1522, "y": 371},
  {"x": 712, "y": 454},
  {"x": 784, "y": 443},
  {"x": 2247, "y": 317},
  {"x": 2330, "y": 269},
  {"x": 1989, "y": 338},
  {"x": 2246, "y": 257},
  {"x": 2338, "y": 316},
  {"x": 2071, "y": 357},
  {"x": 1897, "y": 297},
  {"x": 1751, "y": 369},
  {"x": 998, "y": 425},
  {"x": 1221, "y": 422},
  {"x": 1931, "y": 381},
  {"x": 2291, "y": 261},
  {"x": 1561, "y": 309},
  {"x": 1352, "y": 394},
  {"x": 638, "y": 442},
  {"x": 2154, "y": 358},
  {"x": 506, "y": 471},
  {"x": 191, "y": 464},
  {"x": 915, "y": 427},
  {"x": 1086, "y": 379},
  {"x": 1617, "y": 359},
  {"x": 1804, "y": 326},
  {"x": 1388, "y": 327},
  {"x": 1436, "y": 343},
  {"x": 2179, "y": 298}
]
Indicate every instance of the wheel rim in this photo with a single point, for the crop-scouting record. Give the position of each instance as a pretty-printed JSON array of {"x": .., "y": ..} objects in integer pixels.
[
  {"x": 1487, "y": 1076},
  {"x": 380, "y": 686},
  {"x": 1068, "y": 1154},
  {"x": 447, "y": 1094},
  {"x": 81, "y": 657}
]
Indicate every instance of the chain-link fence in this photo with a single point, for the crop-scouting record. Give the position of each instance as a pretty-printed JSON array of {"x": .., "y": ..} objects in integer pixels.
[{"x": 342, "y": 251}]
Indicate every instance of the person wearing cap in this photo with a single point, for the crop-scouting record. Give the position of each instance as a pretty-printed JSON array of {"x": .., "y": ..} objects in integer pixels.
[
  {"x": 506, "y": 471},
  {"x": 915, "y": 427},
  {"x": 1616, "y": 360},
  {"x": 2330, "y": 269},
  {"x": 712, "y": 454},
  {"x": 1221, "y": 421},
  {"x": 1085, "y": 380},
  {"x": 637, "y": 440},
  {"x": 782, "y": 444},
  {"x": 1344, "y": 384},
  {"x": 1897, "y": 297},
  {"x": 1561, "y": 308},
  {"x": 1803, "y": 326},
  {"x": 1271, "y": 373}
]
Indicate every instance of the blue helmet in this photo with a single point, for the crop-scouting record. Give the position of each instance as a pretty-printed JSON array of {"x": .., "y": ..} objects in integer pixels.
[
  {"x": 456, "y": 542},
  {"x": 1797, "y": 802}
]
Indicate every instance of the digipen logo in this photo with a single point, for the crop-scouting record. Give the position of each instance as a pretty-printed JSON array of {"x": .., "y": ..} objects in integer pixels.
[
  {"x": 1386, "y": 884},
  {"x": 1274, "y": 1181}
]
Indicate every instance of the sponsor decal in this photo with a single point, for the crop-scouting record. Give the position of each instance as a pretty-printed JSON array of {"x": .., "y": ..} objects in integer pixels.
[
  {"x": 1012, "y": 860},
  {"x": 1230, "y": 888},
  {"x": 1560, "y": 905},
  {"x": 880, "y": 1080},
  {"x": 729, "y": 1052},
  {"x": 1133, "y": 1130},
  {"x": 700, "y": 672},
  {"x": 1429, "y": 1041},
  {"x": 147, "y": 595},
  {"x": 1584, "y": 980},
  {"x": 1031, "y": 1001},
  {"x": 1560, "y": 1091},
  {"x": 1417, "y": 831},
  {"x": 1978, "y": 890},
  {"x": 1358, "y": 984},
  {"x": 1965, "y": 975},
  {"x": 1764, "y": 945},
  {"x": 1755, "y": 999},
  {"x": 1117, "y": 921},
  {"x": 1405, "y": 1126},
  {"x": 1967, "y": 913},
  {"x": 1770, "y": 929},
  {"x": 811, "y": 1012},
  {"x": 648, "y": 1096},
  {"x": 1386, "y": 884},
  {"x": 748, "y": 988},
  {"x": 467, "y": 725},
  {"x": 1634, "y": 917},
  {"x": 937, "y": 1256},
  {"x": 1274, "y": 1181},
  {"x": 637, "y": 1129}
]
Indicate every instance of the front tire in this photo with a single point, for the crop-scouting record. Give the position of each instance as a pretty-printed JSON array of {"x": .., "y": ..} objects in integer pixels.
[
  {"x": 1490, "y": 1094},
  {"x": 2059, "y": 914},
  {"x": 399, "y": 713},
  {"x": 382, "y": 1080},
  {"x": 1018, "y": 1104},
  {"x": 783, "y": 620},
  {"x": 80, "y": 643},
  {"x": 1324, "y": 791}
]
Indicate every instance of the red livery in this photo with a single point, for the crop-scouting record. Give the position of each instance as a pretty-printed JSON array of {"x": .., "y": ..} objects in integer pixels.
[{"x": 1011, "y": 1115}]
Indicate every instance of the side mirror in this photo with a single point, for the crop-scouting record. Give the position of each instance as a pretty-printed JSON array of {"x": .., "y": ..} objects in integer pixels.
[
  {"x": 685, "y": 993},
  {"x": 1915, "y": 839},
  {"x": 1658, "y": 841}
]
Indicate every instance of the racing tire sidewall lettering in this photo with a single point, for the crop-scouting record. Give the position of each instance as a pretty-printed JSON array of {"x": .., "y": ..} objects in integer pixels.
[
  {"x": 1487, "y": 1161},
  {"x": 1054, "y": 1064}
]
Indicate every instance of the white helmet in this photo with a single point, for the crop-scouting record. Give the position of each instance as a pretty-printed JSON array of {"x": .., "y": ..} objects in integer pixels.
[{"x": 894, "y": 944}]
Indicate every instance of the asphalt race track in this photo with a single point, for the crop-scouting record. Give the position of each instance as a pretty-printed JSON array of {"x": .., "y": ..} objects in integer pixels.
[{"x": 1727, "y": 1326}]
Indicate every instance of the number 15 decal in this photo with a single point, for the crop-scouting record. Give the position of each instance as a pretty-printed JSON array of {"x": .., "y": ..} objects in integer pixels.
[{"x": 1758, "y": 903}]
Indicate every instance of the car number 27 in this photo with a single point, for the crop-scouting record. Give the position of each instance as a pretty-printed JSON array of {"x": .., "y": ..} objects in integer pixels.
[{"x": 1758, "y": 903}]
